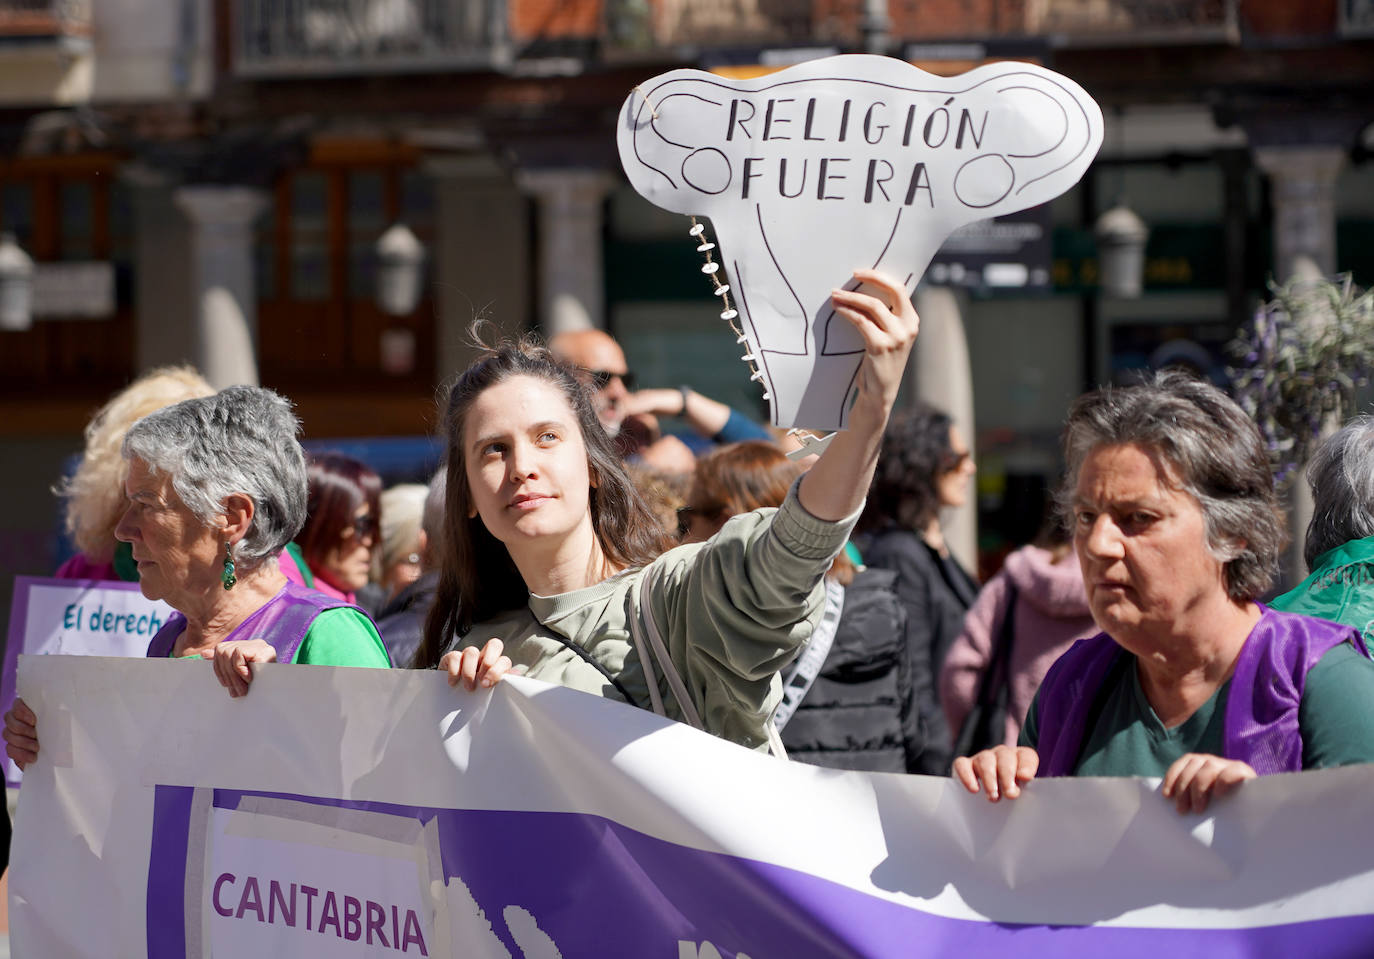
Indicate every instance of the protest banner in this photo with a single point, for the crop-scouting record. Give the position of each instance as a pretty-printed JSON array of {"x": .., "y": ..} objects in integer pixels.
[
  {"x": 840, "y": 163},
  {"x": 75, "y": 617},
  {"x": 356, "y": 812}
]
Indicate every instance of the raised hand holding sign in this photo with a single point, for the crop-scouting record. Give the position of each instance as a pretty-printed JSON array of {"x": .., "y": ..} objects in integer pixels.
[{"x": 843, "y": 163}]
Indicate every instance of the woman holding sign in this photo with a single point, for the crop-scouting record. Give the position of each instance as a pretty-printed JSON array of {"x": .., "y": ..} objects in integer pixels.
[
  {"x": 1178, "y": 530},
  {"x": 555, "y": 564},
  {"x": 216, "y": 489}
]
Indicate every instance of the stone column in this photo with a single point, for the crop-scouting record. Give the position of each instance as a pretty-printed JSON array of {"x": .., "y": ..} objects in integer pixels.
[
  {"x": 941, "y": 375},
  {"x": 1303, "y": 185},
  {"x": 162, "y": 270},
  {"x": 223, "y": 292},
  {"x": 481, "y": 255},
  {"x": 572, "y": 292}
]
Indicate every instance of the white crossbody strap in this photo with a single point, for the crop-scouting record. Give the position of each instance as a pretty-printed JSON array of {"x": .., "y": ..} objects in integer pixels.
[
  {"x": 644, "y": 625},
  {"x": 797, "y": 682}
]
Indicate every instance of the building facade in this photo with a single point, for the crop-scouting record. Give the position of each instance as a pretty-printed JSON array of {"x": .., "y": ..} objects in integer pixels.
[{"x": 207, "y": 180}]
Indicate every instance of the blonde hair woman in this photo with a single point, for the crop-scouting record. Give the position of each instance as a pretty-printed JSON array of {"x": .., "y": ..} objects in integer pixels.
[{"x": 94, "y": 494}]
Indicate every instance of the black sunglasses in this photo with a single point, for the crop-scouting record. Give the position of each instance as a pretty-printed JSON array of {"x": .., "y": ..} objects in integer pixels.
[
  {"x": 364, "y": 526},
  {"x": 952, "y": 460},
  {"x": 602, "y": 378}
]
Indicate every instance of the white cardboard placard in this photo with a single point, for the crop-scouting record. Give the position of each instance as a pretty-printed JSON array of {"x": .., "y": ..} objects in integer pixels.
[{"x": 840, "y": 163}]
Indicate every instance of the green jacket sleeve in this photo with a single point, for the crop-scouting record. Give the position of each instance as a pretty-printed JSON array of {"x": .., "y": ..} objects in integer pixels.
[
  {"x": 736, "y": 610},
  {"x": 342, "y": 637}
]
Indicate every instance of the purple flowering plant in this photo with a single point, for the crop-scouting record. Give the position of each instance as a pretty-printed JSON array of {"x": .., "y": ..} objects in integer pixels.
[{"x": 1299, "y": 363}]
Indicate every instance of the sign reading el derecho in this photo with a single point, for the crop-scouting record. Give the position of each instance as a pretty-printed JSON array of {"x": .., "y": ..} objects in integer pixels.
[
  {"x": 76, "y": 616},
  {"x": 360, "y": 812}
]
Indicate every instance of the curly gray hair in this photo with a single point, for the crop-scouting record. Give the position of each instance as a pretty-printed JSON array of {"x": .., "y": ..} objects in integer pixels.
[
  {"x": 241, "y": 440},
  {"x": 1216, "y": 454},
  {"x": 1341, "y": 475}
]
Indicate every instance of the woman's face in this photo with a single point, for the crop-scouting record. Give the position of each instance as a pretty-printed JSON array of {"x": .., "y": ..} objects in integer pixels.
[
  {"x": 526, "y": 465},
  {"x": 348, "y": 563},
  {"x": 1142, "y": 546},
  {"x": 952, "y": 483},
  {"x": 405, "y": 570},
  {"x": 178, "y": 556}
]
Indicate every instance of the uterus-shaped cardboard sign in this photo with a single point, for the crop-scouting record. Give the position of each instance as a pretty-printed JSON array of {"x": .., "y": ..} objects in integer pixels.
[{"x": 840, "y": 163}]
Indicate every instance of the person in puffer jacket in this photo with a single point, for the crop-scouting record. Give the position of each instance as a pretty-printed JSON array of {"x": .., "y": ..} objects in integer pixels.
[{"x": 850, "y": 698}]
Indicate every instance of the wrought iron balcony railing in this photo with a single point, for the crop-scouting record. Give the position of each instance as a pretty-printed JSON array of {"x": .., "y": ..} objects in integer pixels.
[
  {"x": 1136, "y": 22},
  {"x": 24, "y": 21},
  {"x": 284, "y": 38},
  {"x": 845, "y": 23}
]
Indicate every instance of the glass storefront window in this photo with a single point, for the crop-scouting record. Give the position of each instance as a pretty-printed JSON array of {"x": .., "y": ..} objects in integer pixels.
[
  {"x": 366, "y": 222},
  {"x": 76, "y": 199},
  {"x": 265, "y": 253},
  {"x": 16, "y": 212},
  {"x": 310, "y": 272}
]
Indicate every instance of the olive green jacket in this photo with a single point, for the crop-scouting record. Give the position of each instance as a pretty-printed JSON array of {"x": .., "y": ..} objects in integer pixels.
[{"x": 732, "y": 612}]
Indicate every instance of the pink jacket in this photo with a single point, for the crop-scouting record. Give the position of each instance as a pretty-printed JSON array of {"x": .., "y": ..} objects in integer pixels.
[
  {"x": 1051, "y": 613},
  {"x": 81, "y": 566},
  {"x": 293, "y": 574}
]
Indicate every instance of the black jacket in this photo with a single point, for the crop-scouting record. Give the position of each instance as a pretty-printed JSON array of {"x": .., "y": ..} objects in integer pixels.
[
  {"x": 936, "y": 593},
  {"x": 402, "y": 621},
  {"x": 860, "y": 713}
]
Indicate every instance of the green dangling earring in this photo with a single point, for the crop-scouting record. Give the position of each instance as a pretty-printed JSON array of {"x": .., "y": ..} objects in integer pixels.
[{"x": 227, "y": 577}]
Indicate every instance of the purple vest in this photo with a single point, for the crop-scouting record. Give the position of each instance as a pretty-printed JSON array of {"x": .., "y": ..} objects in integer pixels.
[
  {"x": 282, "y": 623},
  {"x": 1261, "y": 721}
]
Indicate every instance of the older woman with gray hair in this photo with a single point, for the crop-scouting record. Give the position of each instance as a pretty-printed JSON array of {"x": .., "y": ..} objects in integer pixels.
[
  {"x": 1340, "y": 538},
  {"x": 1178, "y": 530},
  {"x": 216, "y": 489}
]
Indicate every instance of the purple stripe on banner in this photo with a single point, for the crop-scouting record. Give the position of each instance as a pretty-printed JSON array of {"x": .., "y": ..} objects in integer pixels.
[
  {"x": 19, "y": 615},
  {"x": 597, "y": 888},
  {"x": 167, "y": 872}
]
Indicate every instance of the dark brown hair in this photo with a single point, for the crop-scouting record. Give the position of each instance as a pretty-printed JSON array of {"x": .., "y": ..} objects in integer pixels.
[
  {"x": 477, "y": 577},
  {"x": 739, "y": 477},
  {"x": 339, "y": 484},
  {"x": 915, "y": 452}
]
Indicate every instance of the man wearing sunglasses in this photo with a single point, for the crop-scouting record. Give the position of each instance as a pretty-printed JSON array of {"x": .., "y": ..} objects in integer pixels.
[
  {"x": 596, "y": 352},
  {"x": 632, "y": 417}
]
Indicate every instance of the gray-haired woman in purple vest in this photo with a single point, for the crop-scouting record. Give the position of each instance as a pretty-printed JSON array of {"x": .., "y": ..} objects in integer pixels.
[
  {"x": 1178, "y": 530},
  {"x": 216, "y": 489}
]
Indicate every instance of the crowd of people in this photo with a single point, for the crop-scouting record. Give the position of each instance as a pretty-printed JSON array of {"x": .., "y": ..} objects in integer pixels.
[{"x": 809, "y": 607}]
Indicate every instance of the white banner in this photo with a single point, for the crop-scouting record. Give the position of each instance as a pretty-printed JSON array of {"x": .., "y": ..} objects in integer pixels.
[
  {"x": 357, "y": 812},
  {"x": 86, "y": 617}
]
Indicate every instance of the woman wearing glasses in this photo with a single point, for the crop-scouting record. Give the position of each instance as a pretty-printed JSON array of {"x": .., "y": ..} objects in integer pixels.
[
  {"x": 924, "y": 467},
  {"x": 343, "y": 519}
]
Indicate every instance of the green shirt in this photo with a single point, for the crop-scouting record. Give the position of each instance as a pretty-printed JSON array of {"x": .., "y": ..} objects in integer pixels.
[
  {"x": 342, "y": 636},
  {"x": 1335, "y": 720}
]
